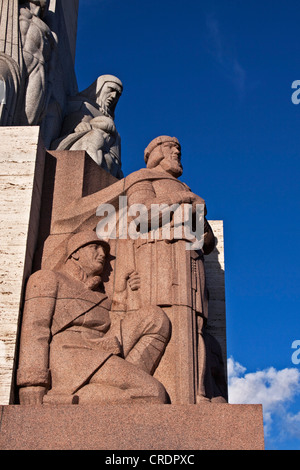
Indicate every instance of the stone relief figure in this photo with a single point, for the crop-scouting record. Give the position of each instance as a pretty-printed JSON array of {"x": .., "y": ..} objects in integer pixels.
[
  {"x": 38, "y": 43},
  {"x": 72, "y": 349},
  {"x": 162, "y": 264},
  {"x": 27, "y": 63},
  {"x": 172, "y": 278},
  {"x": 89, "y": 124}
]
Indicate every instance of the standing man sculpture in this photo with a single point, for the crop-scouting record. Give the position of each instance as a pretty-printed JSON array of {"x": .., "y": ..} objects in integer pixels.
[{"x": 171, "y": 276}]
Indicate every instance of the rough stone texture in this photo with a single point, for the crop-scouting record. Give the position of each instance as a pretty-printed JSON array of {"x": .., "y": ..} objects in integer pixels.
[
  {"x": 21, "y": 175},
  {"x": 143, "y": 427}
]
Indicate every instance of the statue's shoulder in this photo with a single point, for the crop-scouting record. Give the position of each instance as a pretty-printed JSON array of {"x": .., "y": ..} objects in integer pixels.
[
  {"x": 145, "y": 174},
  {"x": 106, "y": 302},
  {"x": 42, "y": 283},
  {"x": 25, "y": 13}
]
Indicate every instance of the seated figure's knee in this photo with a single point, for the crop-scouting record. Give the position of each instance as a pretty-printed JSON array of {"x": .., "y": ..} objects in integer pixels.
[
  {"x": 156, "y": 392},
  {"x": 162, "y": 396},
  {"x": 159, "y": 320}
]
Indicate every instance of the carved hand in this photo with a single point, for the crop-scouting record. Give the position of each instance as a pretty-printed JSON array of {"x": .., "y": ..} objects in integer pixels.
[
  {"x": 32, "y": 395},
  {"x": 134, "y": 281},
  {"x": 186, "y": 197},
  {"x": 103, "y": 123},
  {"x": 83, "y": 127}
]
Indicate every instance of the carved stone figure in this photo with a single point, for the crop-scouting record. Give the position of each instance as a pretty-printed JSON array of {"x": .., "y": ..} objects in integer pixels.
[
  {"x": 27, "y": 62},
  {"x": 38, "y": 43},
  {"x": 73, "y": 349},
  {"x": 89, "y": 124},
  {"x": 170, "y": 275}
]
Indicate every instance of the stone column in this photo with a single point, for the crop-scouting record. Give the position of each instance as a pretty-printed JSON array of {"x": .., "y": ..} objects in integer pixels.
[{"x": 21, "y": 177}]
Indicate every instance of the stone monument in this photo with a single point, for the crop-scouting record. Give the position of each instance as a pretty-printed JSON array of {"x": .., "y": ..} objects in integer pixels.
[
  {"x": 89, "y": 124},
  {"x": 112, "y": 320}
]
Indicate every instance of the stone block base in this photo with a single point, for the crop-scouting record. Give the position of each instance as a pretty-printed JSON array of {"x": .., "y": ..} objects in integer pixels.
[{"x": 132, "y": 427}]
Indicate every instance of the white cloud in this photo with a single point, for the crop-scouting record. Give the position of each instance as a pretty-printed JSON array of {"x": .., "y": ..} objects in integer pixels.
[
  {"x": 274, "y": 389},
  {"x": 234, "y": 369},
  {"x": 269, "y": 386}
]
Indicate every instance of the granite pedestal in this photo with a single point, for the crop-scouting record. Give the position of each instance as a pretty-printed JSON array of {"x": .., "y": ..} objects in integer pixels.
[{"x": 132, "y": 427}]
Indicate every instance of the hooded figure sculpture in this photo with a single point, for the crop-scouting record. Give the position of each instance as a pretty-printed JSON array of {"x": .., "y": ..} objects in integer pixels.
[{"x": 89, "y": 124}]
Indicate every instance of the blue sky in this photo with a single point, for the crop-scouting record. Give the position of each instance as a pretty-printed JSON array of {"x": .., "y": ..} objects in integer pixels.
[{"x": 218, "y": 75}]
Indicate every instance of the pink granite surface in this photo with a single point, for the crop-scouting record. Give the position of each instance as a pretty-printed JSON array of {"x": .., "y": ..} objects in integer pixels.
[{"x": 132, "y": 427}]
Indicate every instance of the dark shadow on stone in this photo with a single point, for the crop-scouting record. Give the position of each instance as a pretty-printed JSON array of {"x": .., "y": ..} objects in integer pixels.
[
  {"x": 216, "y": 366},
  {"x": 46, "y": 208}
]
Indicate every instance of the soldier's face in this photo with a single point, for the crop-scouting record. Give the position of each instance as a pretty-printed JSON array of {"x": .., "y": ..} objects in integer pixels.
[
  {"x": 91, "y": 258},
  {"x": 172, "y": 159}
]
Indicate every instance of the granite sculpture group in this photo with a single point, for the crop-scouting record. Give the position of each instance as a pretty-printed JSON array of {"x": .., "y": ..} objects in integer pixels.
[
  {"x": 147, "y": 342},
  {"x": 80, "y": 346}
]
